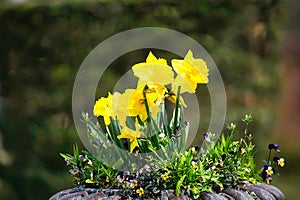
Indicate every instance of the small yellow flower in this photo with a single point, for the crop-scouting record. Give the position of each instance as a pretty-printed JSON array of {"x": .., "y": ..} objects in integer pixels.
[
  {"x": 132, "y": 135},
  {"x": 269, "y": 179},
  {"x": 85, "y": 158},
  {"x": 140, "y": 191},
  {"x": 243, "y": 151},
  {"x": 190, "y": 72},
  {"x": 134, "y": 183},
  {"x": 281, "y": 162},
  {"x": 269, "y": 171},
  {"x": 103, "y": 107},
  {"x": 90, "y": 163},
  {"x": 165, "y": 176},
  {"x": 252, "y": 180},
  {"x": 195, "y": 164},
  {"x": 153, "y": 71},
  {"x": 90, "y": 180}
]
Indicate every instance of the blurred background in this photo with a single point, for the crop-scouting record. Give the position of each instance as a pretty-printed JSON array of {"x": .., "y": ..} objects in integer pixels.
[{"x": 255, "y": 44}]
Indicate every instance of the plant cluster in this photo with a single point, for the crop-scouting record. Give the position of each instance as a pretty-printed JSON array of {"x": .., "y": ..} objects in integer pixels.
[
  {"x": 222, "y": 164},
  {"x": 271, "y": 165},
  {"x": 136, "y": 122}
]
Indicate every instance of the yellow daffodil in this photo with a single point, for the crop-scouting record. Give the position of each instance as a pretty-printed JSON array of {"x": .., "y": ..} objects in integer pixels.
[
  {"x": 132, "y": 135},
  {"x": 113, "y": 106},
  {"x": 281, "y": 162},
  {"x": 103, "y": 107},
  {"x": 120, "y": 105},
  {"x": 269, "y": 171},
  {"x": 153, "y": 71},
  {"x": 190, "y": 72},
  {"x": 140, "y": 191},
  {"x": 136, "y": 104}
]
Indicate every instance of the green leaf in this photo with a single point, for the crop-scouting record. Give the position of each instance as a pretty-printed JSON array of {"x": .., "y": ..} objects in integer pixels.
[
  {"x": 175, "y": 116},
  {"x": 130, "y": 122},
  {"x": 179, "y": 183}
]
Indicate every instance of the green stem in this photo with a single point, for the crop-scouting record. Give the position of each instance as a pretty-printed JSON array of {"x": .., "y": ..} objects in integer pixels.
[
  {"x": 176, "y": 111},
  {"x": 246, "y": 129},
  {"x": 150, "y": 121},
  {"x": 146, "y": 105}
]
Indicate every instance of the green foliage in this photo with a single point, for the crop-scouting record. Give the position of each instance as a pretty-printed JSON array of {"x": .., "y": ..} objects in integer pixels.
[
  {"x": 225, "y": 163},
  {"x": 89, "y": 171},
  {"x": 233, "y": 160},
  {"x": 188, "y": 174}
]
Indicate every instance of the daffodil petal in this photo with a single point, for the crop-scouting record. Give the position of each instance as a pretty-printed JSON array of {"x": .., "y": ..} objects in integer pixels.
[
  {"x": 133, "y": 144},
  {"x": 186, "y": 85},
  {"x": 153, "y": 73},
  {"x": 152, "y": 59}
]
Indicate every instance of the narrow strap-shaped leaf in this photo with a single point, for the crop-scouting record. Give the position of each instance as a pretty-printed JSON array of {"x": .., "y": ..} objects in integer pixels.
[
  {"x": 179, "y": 183},
  {"x": 176, "y": 111}
]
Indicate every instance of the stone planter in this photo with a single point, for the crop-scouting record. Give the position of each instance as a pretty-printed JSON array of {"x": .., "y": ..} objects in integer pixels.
[{"x": 248, "y": 192}]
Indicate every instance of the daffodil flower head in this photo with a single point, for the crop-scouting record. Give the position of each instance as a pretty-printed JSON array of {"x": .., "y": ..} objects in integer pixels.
[
  {"x": 190, "y": 72},
  {"x": 154, "y": 70},
  {"x": 136, "y": 103},
  {"x": 103, "y": 107},
  {"x": 120, "y": 104},
  {"x": 132, "y": 135}
]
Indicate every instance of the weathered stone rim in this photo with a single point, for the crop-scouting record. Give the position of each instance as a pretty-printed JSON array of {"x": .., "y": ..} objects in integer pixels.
[{"x": 247, "y": 192}]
